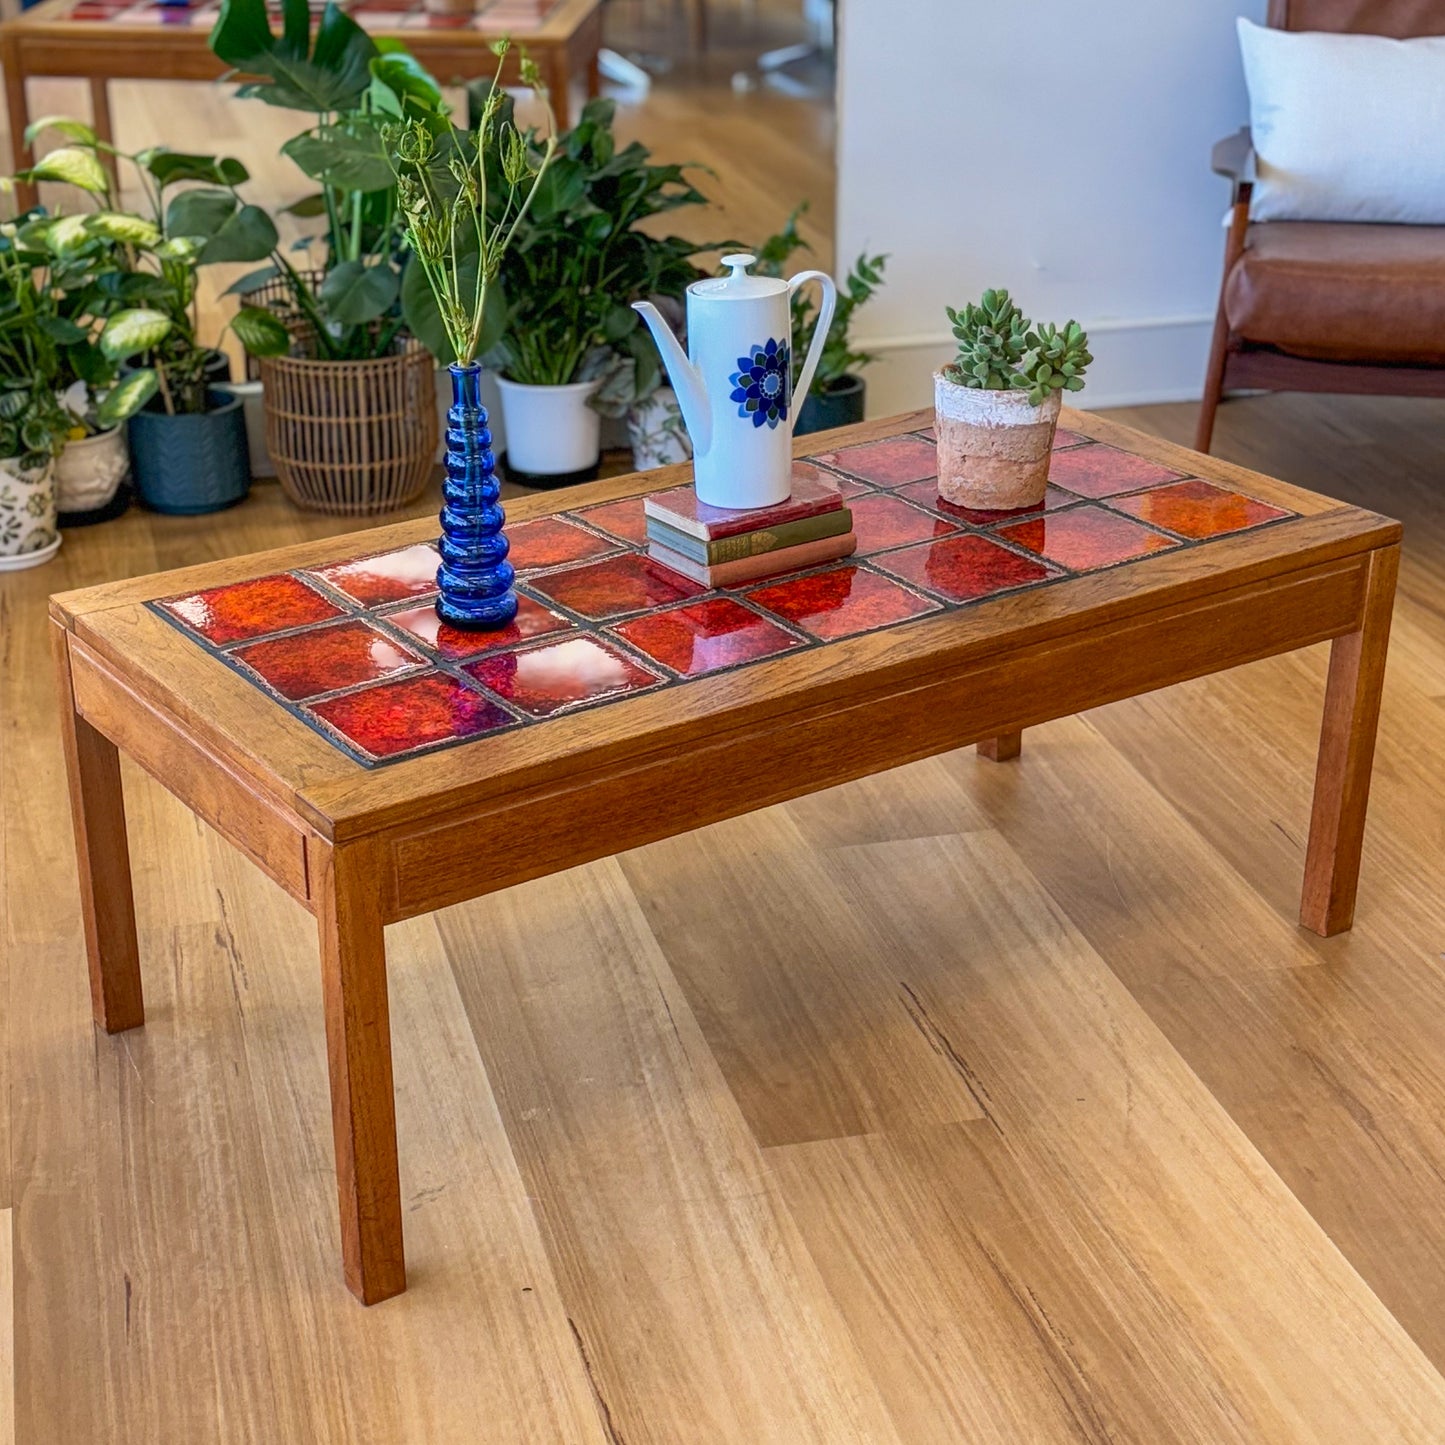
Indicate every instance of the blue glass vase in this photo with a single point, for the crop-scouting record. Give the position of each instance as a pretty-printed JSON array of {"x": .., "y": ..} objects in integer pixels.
[{"x": 475, "y": 577}]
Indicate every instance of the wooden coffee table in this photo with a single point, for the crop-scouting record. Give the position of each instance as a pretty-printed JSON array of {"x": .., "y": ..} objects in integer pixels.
[
  {"x": 105, "y": 40},
  {"x": 377, "y": 769}
]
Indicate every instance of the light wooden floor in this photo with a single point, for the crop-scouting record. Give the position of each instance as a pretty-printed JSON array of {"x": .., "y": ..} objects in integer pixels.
[{"x": 968, "y": 1103}]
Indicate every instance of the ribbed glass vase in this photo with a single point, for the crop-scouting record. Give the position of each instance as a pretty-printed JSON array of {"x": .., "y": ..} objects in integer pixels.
[{"x": 475, "y": 577}]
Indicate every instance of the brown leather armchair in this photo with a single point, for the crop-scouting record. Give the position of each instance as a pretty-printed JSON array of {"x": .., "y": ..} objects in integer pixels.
[{"x": 1322, "y": 305}]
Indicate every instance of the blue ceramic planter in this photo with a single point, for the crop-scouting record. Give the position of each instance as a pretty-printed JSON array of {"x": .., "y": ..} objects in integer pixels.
[
  {"x": 475, "y": 577},
  {"x": 191, "y": 463}
]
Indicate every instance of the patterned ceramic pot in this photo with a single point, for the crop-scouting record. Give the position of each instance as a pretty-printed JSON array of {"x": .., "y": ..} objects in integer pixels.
[
  {"x": 89, "y": 472},
  {"x": 28, "y": 534},
  {"x": 656, "y": 432},
  {"x": 993, "y": 446}
]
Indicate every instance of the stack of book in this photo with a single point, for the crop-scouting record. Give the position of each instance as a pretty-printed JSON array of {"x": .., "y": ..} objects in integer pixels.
[{"x": 719, "y": 547}]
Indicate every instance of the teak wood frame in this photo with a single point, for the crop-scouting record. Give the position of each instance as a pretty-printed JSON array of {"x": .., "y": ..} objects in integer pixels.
[
  {"x": 363, "y": 849},
  {"x": 42, "y": 41}
]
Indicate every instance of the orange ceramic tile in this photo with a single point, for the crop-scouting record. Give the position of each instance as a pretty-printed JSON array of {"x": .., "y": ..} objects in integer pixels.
[
  {"x": 1099, "y": 471},
  {"x": 387, "y": 577},
  {"x": 882, "y": 520},
  {"x": 532, "y": 620},
  {"x": 1086, "y": 538},
  {"x": 242, "y": 610},
  {"x": 615, "y": 585},
  {"x": 322, "y": 659},
  {"x": 624, "y": 520},
  {"x": 841, "y": 601},
  {"x": 551, "y": 541},
  {"x": 964, "y": 567},
  {"x": 1198, "y": 509},
  {"x": 410, "y": 714},
  {"x": 894, "y": 462},
  {"x": 706, "y": 636},
  {"x": 557, "y": 676}
]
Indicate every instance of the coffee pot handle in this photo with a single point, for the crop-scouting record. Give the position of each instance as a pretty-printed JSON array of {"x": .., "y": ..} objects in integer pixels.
[{"x": 820, "y": 334}]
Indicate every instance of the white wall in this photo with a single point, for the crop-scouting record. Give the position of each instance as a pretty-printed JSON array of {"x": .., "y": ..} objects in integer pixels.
[{"x": 1056, "y": 147}]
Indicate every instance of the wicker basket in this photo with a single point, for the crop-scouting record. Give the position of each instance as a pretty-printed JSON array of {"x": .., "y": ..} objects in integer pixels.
[{"x": 352, "y": 437}]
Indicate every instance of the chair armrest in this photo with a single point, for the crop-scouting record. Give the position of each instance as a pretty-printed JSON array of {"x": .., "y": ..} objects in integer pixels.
[{"x": 1233, "y": 158}]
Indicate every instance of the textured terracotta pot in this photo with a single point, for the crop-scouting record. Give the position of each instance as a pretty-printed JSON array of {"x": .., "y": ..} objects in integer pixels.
[{"x": 993, "y": 446}]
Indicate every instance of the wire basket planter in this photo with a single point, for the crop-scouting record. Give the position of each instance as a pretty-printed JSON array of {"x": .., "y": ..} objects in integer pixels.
[{"x": 350, "y": 438}]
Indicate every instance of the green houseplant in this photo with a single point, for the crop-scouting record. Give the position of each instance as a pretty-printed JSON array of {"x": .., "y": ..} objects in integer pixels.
[
  {"x": 350, "y": 413},
  {"x": 33, "y": 424},
  {"x": 464, "y": 197},
  {"x": 997, "y": 403},
  {"x": 128, "y": 285},
  {"x": 571, "y": 343},
  {"x": 838, "y": 393}
]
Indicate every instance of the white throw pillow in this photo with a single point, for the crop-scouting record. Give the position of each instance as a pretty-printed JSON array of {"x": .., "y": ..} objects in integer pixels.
[{"x": 1346, "y": 127}]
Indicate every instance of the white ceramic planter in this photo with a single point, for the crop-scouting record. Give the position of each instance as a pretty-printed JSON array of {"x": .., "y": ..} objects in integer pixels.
[
  {"x": 656, "y": 431},
  {"x": 993, "y": 446},
  {"x": 28, "y": 534},
  {"x": 88, "y": 473},
  {"x": 551, "y": 431},
  {"x": 253, "y": 407}
]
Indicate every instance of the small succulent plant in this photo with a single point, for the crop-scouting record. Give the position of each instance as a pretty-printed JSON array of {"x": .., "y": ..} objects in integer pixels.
[{"x": 1000, "y": 349}]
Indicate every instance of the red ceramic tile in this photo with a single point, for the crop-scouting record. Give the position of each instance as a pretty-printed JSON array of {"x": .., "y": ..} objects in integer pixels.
[
  {"x": 925, "y": 494},
  {"x": 1100, "y": 471},
  {"x": 964, "y": 567},
  {"x": 881, "y": 520},
  {"x": 567, "y": 673},
  {"x": 532, "y": 620},
  {"x": 1064, "y": 439},
  {"x": 1084, "y": 538},
  {"x": 624, "y": 520},
  {"x": 1198, "y": 509},
  {"x": 706, "y": 636},
  {"x": 242, "y": 610},
  {"x": 616, "y": 585},
  {"x": 413, "y": 712},
  {"x": 322, "y": 659},
  {"x": 407, "y": 572},
  {"x": 551, "y": 541},
  {"x": 892, "y": 462},
  {"x": 841, "y": 601}
]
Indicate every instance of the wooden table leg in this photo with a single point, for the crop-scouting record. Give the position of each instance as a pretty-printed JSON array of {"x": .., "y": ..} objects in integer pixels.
[
  {"x": 97, "y": 810},
  {"x": 17, "y": 110},
  {"x": 559, "y": 83},
  {"x": 1347, "y": 751},
  {"x": 358, "y": 1049},
  {"x": 1003, "y": 748},
  {"x": 103, "y": 125}
]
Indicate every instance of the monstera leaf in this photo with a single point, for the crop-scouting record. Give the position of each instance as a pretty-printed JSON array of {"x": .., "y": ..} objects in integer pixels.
[
  {"x": 329, "y": 73},
  {"x": 350, "y": 156}
]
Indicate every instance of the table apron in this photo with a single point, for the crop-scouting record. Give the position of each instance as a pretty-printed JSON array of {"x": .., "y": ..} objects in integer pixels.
[
  {"x": 271, "y": 837},
  {"x": 508, "y": 840}
]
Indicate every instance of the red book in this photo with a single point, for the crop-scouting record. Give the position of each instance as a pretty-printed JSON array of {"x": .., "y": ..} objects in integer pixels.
[
  {"x": 814, "y": 492},
  {"x": 766, "y": 564}
]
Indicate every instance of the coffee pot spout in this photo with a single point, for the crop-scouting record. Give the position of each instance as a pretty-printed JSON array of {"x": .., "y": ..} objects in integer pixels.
[{"x": 685, "y": 377}]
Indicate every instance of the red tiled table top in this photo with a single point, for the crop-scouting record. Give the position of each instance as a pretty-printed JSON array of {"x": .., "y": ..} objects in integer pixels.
[{"x": 355, "y": 649}]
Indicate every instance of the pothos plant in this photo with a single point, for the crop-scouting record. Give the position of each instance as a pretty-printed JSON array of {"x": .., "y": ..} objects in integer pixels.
[
  {"x": 839, "y": 359},
  {"x": 1000, "y": 349},
  {"x": 355, "y": 304},
  {"x": 463, "y": 196},
  {"x": 124, "y": 285}
]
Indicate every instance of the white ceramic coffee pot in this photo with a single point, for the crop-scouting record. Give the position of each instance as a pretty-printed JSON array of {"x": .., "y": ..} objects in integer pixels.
[{"x": 736, "y": 389}]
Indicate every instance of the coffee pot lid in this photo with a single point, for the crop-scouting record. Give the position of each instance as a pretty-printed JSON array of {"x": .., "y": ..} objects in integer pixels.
[{"x": 738, "y": 284}]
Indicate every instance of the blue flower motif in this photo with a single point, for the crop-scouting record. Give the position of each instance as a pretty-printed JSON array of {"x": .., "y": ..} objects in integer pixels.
[{"x": 763, "y": 383}]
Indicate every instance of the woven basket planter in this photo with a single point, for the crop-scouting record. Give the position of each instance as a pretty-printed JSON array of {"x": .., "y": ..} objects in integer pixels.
[{"x": 351, "y": 437}]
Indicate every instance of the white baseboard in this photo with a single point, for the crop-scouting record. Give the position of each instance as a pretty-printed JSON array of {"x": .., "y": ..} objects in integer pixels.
[{"x": 1137, "y": 362}]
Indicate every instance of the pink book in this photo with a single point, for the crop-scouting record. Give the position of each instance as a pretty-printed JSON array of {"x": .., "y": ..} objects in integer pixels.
[
  {"x": 814, "y": 492},
  {"x": 766, "y": 564}
]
